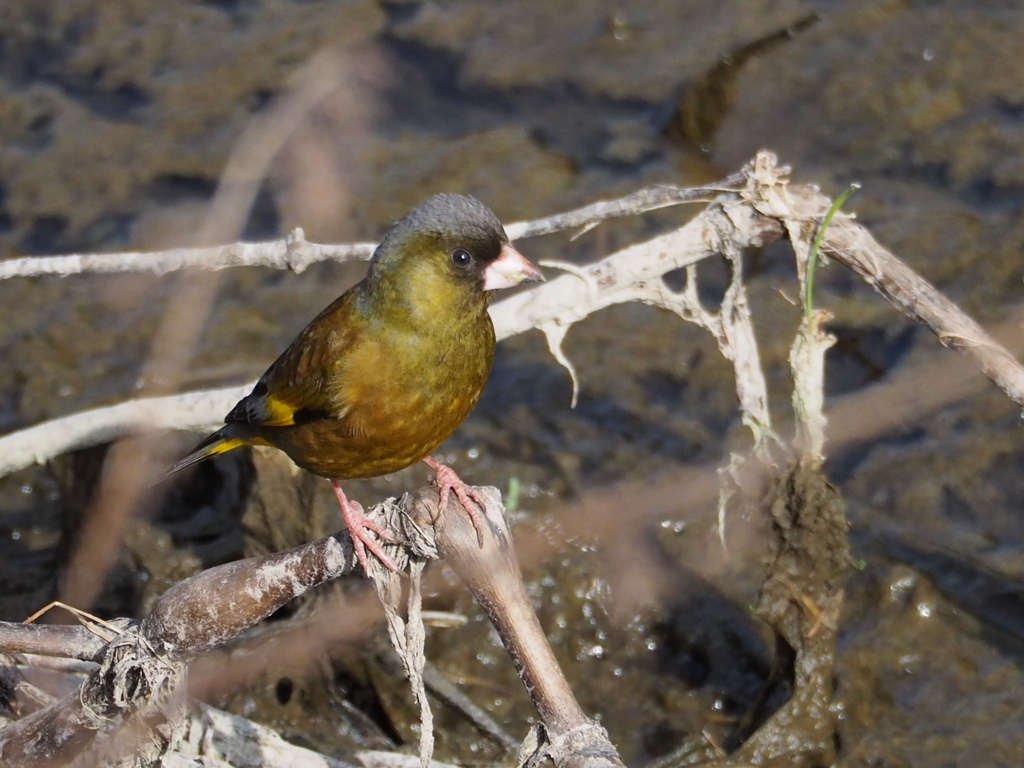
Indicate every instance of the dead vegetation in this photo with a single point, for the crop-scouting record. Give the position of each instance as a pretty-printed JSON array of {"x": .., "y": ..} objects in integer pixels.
[{"x": 131, "y": 705}]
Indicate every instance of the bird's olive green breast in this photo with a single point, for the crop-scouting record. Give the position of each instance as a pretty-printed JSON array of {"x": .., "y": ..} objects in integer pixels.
[
  {"x": 424, "y": 386},
  {"x": 410, "y": 377}
]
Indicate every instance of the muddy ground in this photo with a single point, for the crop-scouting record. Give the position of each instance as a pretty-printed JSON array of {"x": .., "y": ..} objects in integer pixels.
[{"x": 116, "y": 121}]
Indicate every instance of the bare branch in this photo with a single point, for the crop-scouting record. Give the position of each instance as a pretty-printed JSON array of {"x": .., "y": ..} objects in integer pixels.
[
  {"x": 219, "y": 603},
  {"x": 807, "y": 358},
  {"x": 492, "y": 574},
  {"x": 294, "y": 253},
  {"x": 193, "y": 410},
  {"x": 807, "y": 364},
  {"x": 134, "y": 700},
  {"x": 648, "y": 199},
  {"x": 218, "y": 735},
  {"x": 70, "y": 641},
  {"x": 854, "y": 246}
]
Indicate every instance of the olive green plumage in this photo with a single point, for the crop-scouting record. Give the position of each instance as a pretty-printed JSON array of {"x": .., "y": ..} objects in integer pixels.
[{"x": 386, "y": 373}]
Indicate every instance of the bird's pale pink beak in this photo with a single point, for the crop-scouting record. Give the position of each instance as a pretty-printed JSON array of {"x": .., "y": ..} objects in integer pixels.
[{"x": 510, "y": 269}]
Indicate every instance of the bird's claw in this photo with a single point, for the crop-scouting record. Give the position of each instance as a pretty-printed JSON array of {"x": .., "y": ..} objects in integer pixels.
[
  {"x": 470, "y": 498},
  {"x": 358, "y": 525}
]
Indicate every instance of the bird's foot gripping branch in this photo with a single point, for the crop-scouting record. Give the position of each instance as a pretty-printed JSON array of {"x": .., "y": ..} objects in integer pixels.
[{"x": 133, "y": 702}]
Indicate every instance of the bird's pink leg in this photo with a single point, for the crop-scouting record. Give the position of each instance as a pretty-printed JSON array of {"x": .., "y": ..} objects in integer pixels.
[
  {"x": 469, "y": 497},
  {"x": 358, "y": 525}
]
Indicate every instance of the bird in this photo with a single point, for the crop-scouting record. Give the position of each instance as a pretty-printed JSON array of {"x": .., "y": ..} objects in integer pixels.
[{"x": 384, "y": 375}]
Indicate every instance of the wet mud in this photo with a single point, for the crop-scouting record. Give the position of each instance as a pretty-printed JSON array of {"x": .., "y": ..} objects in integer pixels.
[{"x": 116, "y": 121}]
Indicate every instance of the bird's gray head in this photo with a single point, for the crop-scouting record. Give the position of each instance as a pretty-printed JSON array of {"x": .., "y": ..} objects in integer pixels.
[
  {"x": 443, "y": 222},
  {"x": 455, "y": 239}
]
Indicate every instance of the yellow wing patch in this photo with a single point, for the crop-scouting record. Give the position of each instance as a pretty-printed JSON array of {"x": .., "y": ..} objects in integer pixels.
[
  {"x": 291, "y": 406},
  {"x": 276, "y": 412}
]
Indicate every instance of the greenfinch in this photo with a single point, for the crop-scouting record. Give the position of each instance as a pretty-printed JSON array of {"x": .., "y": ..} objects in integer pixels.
[{"x": 383, "y": 376}]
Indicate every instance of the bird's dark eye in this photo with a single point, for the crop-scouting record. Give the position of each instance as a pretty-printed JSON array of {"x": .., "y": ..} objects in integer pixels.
[{"x": 461, "y": 257}]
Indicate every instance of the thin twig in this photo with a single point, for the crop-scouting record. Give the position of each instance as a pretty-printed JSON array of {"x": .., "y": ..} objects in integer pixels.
[
  {"x": 296, "y": 253},
  {"x": 68, "y": 641},
  {"x": 647, "y": 199},
  {"x": 293, "y": 252}
]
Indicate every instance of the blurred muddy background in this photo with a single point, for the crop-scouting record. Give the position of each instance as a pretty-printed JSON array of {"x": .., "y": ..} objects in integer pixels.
[{"x": 117, "y": 120}]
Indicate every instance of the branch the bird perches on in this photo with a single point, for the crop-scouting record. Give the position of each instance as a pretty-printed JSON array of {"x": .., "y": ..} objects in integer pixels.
[{"x": 133, "y": 703}]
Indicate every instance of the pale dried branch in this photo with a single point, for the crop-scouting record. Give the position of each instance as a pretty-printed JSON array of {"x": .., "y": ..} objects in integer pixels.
[
  {"x": 131, "y": 680},
  {"x": 68, "y": 641},
  {"x": 293, "y": 252},
  {"x": 807, "y": 357},
  {"x": 132, "y": 704},
  {"x": 800, "y": 207},
  {"x": 191, "y": 411},
  {"x": 733, "y": 330},
  {"x": 648, "y": 199},
  {"x": 491, "y": 572},
  {"x": 219, "y": 603},
  {"x": 732, "y": 326},
  {"x": 807, "y": 364},
  {"x": 918, "y": 299},
  {"x": 372, "y": 758}
]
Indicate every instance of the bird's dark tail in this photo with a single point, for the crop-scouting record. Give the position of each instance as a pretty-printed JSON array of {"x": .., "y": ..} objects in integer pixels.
[{"x": 220, "y": 441}]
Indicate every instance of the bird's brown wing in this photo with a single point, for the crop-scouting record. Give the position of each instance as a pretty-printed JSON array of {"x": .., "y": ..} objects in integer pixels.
[{"x": 303, "y": 384}]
